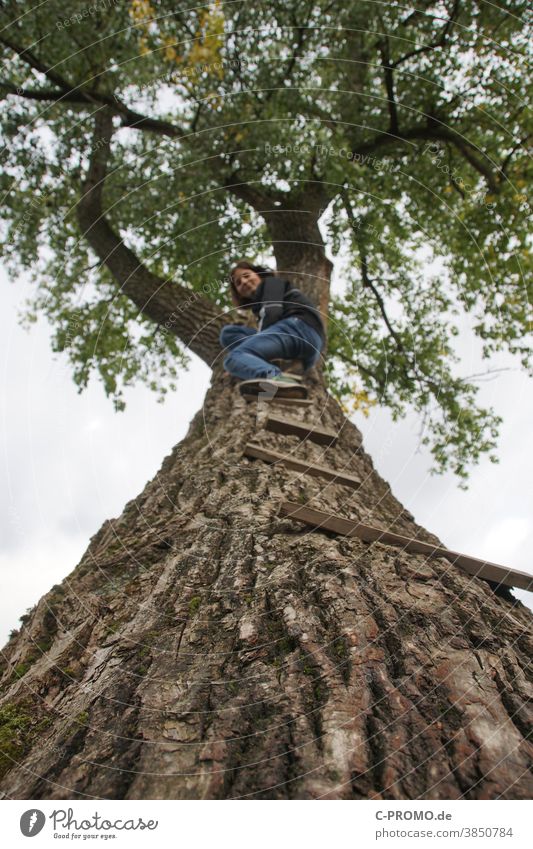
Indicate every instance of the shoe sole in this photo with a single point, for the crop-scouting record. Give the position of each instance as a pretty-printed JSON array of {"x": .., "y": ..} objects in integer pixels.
[{"x": 264, "y": 387}]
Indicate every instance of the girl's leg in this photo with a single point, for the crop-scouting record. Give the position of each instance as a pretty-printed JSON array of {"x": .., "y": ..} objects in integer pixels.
[
  {"x": 234, "y": 334},
  {"x": 303, "y": 341},
  {"x": 252, "y": 358},
  {"x": 311, "y": 343}
]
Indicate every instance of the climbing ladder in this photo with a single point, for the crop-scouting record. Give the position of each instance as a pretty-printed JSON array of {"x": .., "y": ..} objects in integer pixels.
[
  {"x": 269, "y": 456},
  {"x": 319, "y": 520}
]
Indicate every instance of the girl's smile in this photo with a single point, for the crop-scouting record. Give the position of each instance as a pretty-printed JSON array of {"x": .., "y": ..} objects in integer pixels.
[{"x": 246, "y": 281}]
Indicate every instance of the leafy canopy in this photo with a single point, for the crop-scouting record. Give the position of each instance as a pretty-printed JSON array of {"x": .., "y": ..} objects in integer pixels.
[{"x": 411, "y": 119}]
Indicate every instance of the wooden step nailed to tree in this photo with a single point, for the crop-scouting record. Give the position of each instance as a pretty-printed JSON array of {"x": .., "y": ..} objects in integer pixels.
[
  {"x": 270, "y": 456},
  {"x": 277, "y": 399},
  {"x": 347, "y": 527},
  {"x": 292, "y": 427}
]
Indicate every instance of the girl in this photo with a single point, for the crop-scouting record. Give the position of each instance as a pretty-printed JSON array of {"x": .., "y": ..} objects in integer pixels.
[{"x": 289, "y": 327}]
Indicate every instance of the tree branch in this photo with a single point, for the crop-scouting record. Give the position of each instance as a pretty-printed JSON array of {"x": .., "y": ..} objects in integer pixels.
[
  {"x": 257, "y": 199},
  {"x": 408, "y": 364},
  {"x": 517, "y": 146},
  {"x": 434, "y": 130},
  {"x": 389, "y": 85},
  {"x": 365, "y": 370},
  {"x": 417, "y": 13},
  {"x": 46, "y": 94},
  {"x": 453, "y": 181},
  {"x": 438, "y": 43},
  {"x": 367, "y": 282},
  {"x": 34, "y": 62},
  {"x": 190, "y": 316},
  {"x": 77, "y": 94}
]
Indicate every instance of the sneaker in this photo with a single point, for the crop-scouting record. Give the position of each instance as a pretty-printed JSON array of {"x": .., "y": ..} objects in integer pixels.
[
  {"x": 289, "y": 375},
  {"x": 283, "y": 385},
  {"x": 286, "y": 379}
]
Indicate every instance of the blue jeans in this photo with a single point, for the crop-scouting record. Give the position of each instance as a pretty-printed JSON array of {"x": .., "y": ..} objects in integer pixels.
[{"x": 251, "y": 351}]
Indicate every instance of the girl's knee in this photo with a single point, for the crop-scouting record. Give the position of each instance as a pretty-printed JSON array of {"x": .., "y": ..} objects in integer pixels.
[
  {"x": 228, "y": 362},
  {"x": 226, "y": 335}
]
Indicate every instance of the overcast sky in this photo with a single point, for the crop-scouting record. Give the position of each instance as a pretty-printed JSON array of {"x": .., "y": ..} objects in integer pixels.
[{"x": 70, "y": 462}]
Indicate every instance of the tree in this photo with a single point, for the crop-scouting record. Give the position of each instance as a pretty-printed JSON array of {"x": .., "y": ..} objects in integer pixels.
[{"x": 206, "y": 647}]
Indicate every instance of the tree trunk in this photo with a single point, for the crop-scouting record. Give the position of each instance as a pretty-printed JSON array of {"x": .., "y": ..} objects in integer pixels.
[
  {"x": 299, "y": 247},
  {"x": 205, "y": 648},
  {"x": 192, "y": 317}
]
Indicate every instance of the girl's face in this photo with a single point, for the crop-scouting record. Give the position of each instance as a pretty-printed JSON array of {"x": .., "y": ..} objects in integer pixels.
[{"x": 246, "y": 281}]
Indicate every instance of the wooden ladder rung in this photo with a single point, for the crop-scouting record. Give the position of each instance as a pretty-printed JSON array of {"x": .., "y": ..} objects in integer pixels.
[
  {"x": 276, "y": 424},
  {"x": 269, "y": 456},
  {"x": 288, "y": 402},
  {"x": 480, "y": 568}
]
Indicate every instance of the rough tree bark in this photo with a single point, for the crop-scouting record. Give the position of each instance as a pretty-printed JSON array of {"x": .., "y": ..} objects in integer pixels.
[
  {"x": 300, "y": 255},
  {"x": 296, "y": 238},
  {"x": 206, "y": 648}
]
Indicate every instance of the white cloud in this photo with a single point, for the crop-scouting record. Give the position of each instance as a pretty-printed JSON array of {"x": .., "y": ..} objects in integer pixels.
[
  {"x": 32, "y": 570},
  {"x": 506, "y": 539}
]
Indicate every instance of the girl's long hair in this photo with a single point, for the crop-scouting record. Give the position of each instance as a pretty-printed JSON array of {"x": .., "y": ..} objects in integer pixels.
[{"x": 262, "y": 270}]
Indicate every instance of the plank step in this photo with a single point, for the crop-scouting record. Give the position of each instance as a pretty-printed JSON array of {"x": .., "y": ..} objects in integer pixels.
[
  {"x": 277, "y": 424},
  {"x": 269, "y": 456},
  {"x": 289, "y": 402},
  {"x": 347, "y": 527}
]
